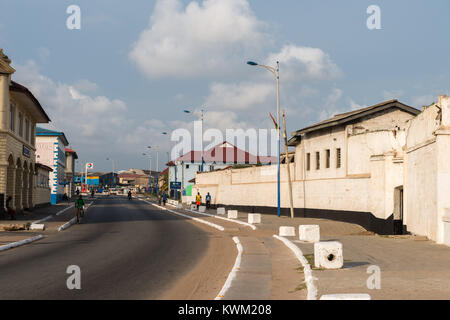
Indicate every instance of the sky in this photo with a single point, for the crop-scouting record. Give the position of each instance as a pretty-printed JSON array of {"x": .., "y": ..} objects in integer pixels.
[{"x": 114, "y": 85}]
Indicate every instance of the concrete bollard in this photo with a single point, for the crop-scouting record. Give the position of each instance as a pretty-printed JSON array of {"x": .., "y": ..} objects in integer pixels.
[
  {"x": 193, "y": 207},
  {"x": 346, "y": 296},
  {"x": 254, "y": 218},
  {"x": 37, "y": 226},
  {"x": 232, "y": 214},
  {"x": 309, "y": 233},
  {"x": 328, "y": 255},
  {"x": 179, "y": 205},
  {"x": 220, "y": 210},
  {"x": 202, "y": 209},
  {"x": 287, "y": 232}
]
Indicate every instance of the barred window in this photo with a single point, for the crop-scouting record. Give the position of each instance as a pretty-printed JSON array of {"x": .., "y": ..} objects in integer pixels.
[
  {"x": 308, "y": 161},
  {"x": 328, "y": 155},
  {"x": 317, "y": 160},
  {"x": 12, "y": 116},
  {"x": 338, "y": 158}
]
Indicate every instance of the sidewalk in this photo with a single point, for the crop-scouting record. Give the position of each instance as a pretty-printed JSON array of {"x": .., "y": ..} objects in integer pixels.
[{"x": 411, "y": 267}]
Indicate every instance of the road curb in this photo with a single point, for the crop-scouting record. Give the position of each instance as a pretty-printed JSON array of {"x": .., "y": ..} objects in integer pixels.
[
  {"x": 309, "y": 278},
  {"x": 189, "y": 217},
  {"x": 20, "y": 243},
  {"x": 223, "y": 218},
  {"x": 232, "y": 275},
  {"x": 51, "y": 216}
]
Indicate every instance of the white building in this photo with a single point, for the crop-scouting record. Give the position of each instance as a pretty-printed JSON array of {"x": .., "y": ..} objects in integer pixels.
[{"x": 51, "y": 151}]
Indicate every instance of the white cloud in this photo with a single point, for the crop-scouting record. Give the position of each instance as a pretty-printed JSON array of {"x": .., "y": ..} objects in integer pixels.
[
  {"x": 392, "y": 94},
  {"x": 356, "y": 106},
  {"x": 298, "y": 63},
  {"x": 425, "y": 100},
  {"x": 239, "y": 96},
  {"x": 86, "y": 120},
  {"x": 198, "y": 39}
]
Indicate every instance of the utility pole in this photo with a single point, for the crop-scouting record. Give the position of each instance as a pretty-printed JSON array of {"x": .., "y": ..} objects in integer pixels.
[{"x": 288, "y": 165}]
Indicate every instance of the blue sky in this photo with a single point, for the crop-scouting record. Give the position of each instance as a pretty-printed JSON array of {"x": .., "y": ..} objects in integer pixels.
[{"x": 121, "y": 80}]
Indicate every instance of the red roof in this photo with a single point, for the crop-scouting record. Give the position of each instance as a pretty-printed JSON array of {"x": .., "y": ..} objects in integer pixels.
[
  {"x": 68, "y": 150},
  {"x": 224, "y": 153}
]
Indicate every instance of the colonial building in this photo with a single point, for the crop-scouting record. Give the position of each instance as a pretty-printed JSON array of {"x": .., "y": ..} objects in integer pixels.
[
  {"x": 352, "y": 167},
  {"x": 19, "y": 113},
  {"x": 42, "y": 190},
  {"x": 51, "y": 151}
]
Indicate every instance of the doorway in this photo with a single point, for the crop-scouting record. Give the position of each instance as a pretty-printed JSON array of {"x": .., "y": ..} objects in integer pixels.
[{"x": 398, "y": 211}]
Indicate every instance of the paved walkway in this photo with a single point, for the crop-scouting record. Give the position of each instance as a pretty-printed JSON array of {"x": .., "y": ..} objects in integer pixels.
[{"x": 411, "y": 267}]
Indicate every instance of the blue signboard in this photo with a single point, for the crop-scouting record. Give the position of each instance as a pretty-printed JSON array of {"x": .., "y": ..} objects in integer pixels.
[{"x": 175, "y": 185}]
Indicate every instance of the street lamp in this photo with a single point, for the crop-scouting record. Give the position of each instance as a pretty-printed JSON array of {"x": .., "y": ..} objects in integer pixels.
[
  {"x": 150, "y": 174},
  {"x": 157, "y": 167},
  {"x": 200, "y": 116},
  {"x": 276, "y": 73}
]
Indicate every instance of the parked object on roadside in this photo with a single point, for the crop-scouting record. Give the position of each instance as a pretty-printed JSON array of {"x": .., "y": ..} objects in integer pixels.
[
  {"x": 208, "y": 201},
  {"x": 287, "y": 231},
  {"x": 309, "y": 233},
  {"x": 232, "y": 214},
  {"x": 328, "y": 255},
  {"x": 254, "y": 218}
]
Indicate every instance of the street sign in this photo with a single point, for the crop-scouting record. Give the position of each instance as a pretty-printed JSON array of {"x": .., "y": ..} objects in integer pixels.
[
  {"x": 175, "y": 185},
  {"x": 89, "y": 165}
]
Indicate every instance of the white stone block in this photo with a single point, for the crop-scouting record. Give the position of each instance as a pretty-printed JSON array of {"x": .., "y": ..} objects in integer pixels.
[
  {"x": 309, "y": 233},
  {"x": 232, "y": 214},
  {"x": 220, "y": 210},
  {"x": 179, "y": 205},
  {"x": 328, "y": 255},
  {"x": 37, "y": 226},
  {"x": 254, "y": 218},
  {"x": 202, "y": 209},
  {"x": 346, "y": 296},
  {"x": 287, "y": 232},
  {"x": 193, "y": 207}
]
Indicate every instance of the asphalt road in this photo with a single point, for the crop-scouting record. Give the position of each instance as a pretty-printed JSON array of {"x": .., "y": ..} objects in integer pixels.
[{"x": 125, "y": 250}]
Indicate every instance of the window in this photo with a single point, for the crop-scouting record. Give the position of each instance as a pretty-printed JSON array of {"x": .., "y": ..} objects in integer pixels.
[
  {"x": 308, "y": 161},
  {"x": 328, "y": 155},
  {"x": 33, "y": 133},
  {"x": 27, "y": 129},
  {"x": 211, "y": 168},
  {"x": 338, "y": 158},
  {"x": 20, "y": 124},
  {"x": 317, "y": 160},
  {"x": 12, "y": 116},
  {"x": 187, "y": 166}
]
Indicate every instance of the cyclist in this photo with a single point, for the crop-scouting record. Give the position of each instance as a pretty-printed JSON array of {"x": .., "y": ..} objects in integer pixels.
[
  {"x": 79, "y": 205},
  {"x": 129, "y": 195}
]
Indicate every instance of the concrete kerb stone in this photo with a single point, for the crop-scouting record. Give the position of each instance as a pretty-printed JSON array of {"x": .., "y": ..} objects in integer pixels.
[
  {"x": 37, "y": 226},
  {"x": 309, "y": 233},
  {"x": 254, "y": 218},
  {"x": 193, "y": 207},
  {"x": 201, "y": 209},
  {"x": 20, "y": 243},
  {"x": 236, "y": 268},
  {"x": 232, "y": 214},
  {"x": 309, "y": 278},
  {"x": 221, "y": 211},
  {"x": 226, "y": 219},
  {"x": 286, "y": 231},
  {"x": 328, "y": 255}
]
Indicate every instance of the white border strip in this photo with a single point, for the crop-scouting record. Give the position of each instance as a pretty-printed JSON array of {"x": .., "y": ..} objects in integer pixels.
[
  {"x": 186, "y": 216},
  {"x": 309, "y": 278},
  {"x": 20, "y": 243},
  {"x": 223, "y": 218},
  {"x": 232, "y": 275}
]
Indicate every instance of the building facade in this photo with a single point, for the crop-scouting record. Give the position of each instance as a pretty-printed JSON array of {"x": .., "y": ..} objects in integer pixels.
[
  {"x": 20, "y": 111},
  {"x": 71, "y": 156},
  {"x": 51, "y": 151},
  {"x": 43, "y": 190}
]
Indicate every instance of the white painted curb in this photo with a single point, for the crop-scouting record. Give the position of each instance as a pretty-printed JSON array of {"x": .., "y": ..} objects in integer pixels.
[
  {"x": 51, "y": 216},
  {"x": 232, "y": 275},
  {"x": 309, "y": 278},
  {"x": 189, "y": 217},
  {"x": 20, "y": 243},
  {"x": 346, "y": 296},
  {"x": 223, "y": 218}
]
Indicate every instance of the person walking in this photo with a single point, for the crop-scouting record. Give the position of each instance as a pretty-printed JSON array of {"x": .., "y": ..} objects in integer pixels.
[
  {"x": 208, "y": 201},
  {"x": 164, "y": 198},
  {"x": 198, "y": 200}
]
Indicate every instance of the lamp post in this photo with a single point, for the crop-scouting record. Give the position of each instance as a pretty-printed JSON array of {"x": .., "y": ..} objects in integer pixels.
[
  {"x": 113, "y": 176},
  {"x": 276, "y": 73},
  {"x": 200, "y": 116},
  {"x": 150, "y": 174}
]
